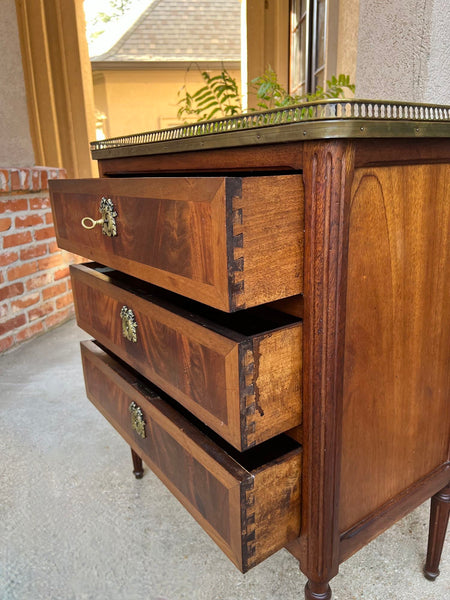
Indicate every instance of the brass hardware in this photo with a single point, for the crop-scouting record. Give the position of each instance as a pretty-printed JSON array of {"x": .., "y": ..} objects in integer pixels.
[
  {"x": 89, "y": 223},
  {"x": 324, "y": 119},
  {"x": 129, "y": 325},
  {"x": 137, "y": 419},
  {"x": 108, "y": 220}
]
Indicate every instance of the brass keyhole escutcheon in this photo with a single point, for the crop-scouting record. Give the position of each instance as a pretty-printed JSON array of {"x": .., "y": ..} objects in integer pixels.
[
  {"x": 107, "y": 221},
  {"x": 137, "y": 419},
  {"x": 129, "y": 325}
]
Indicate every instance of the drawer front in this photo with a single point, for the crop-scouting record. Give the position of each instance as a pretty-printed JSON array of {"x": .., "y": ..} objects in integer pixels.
[
  {"x": 228, "y": 242},
  {"x": 245, "y": 386},
  {"x": 232, "y": 501}
]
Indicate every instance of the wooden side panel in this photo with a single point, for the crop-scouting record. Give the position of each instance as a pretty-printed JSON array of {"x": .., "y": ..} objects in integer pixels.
[
  {"x": 248, "y": 514},
  {"x": 273, "y": 383},
  {"x": 268, "y": 222},
  {"x": 397, "y": 351},
  {"x": 274, "y": 506},
  {"x": 170, "y": 231}
]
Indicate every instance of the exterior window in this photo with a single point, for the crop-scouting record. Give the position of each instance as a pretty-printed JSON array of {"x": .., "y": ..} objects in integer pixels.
[{"x": 307, "y": 45}]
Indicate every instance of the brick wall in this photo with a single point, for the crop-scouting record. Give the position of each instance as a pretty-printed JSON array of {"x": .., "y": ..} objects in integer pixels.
[{"x": 35, "y": 292}]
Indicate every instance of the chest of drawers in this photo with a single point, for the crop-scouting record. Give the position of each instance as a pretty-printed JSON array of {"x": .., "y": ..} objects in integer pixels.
[{"x": 270, "y": 304}]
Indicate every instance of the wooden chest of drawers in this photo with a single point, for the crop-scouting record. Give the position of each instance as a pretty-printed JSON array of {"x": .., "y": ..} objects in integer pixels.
[{"x": 271, "y": 308}]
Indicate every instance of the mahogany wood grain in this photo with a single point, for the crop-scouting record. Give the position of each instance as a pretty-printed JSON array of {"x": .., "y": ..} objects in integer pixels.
[
  {"x": 207, "y": 238},
  {"x": 249, "y": 511},
  {"x": 379, "y": 152},
  {"x": 439, "y": 515},
  {"x": 245, "y": 386},
  {"x": 327, "y": 179},
  {"x": 138, "y": 470},
  {"x": 281, "y": 157},
  {"x": 397, "y": 353},
  {"x": 396, "y": 508}
]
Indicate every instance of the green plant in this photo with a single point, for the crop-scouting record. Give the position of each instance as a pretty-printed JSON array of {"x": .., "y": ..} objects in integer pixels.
[
  {"x": 218, "y": 97},
  {"x": 271, "y": 94}
]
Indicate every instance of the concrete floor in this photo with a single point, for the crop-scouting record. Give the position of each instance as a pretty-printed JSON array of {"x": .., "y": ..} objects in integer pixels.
[{"x": 76, "y": 525}]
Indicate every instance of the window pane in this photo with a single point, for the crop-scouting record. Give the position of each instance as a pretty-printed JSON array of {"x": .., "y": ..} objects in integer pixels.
[
  {"x": 320, "y": 34},
  {"x": 298, "y": 54}
]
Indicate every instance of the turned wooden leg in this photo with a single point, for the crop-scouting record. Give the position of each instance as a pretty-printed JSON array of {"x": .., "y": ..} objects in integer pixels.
[
  {"x": 138, "y": 469},
  {"x": 317, "y": 591},
  {"x": 440, "y": 510}
]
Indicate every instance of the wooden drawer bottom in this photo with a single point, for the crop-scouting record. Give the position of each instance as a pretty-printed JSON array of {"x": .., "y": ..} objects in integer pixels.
[{"x": 249, "y": 502}]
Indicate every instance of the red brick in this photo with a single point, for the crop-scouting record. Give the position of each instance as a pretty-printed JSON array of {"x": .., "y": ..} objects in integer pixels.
[
  {"x": 58, "y": 317},
  {"x": 6, "y": 258},
  {"x": 39, "y": 281},
  {"x": 6, "y": 343},
  {"x": 15, "y": 180},
  {"x": 5, "y": 224},
  {"x": 3, "y": 311},
  {"x": 36, "y": 180},
  {"x": 39, "y": 203},
  {"x": 53, "y": 247},
  {"x": 4, "y": 180},
  {"x": 22, "y": 271},
  {"x": 25, "y": 301},
  {"x": 11, "y": 324},
  {"x": 61, "y": 273},
  {"x": 2, "y": 277},
  {"x": 33, "y": 252},
  {"x": 49, "y": 218},
  {"x": 44, "y": 180},
  {"x": 24, "y": 177},
  {"x": 25, "y": 334},
  {"x": 51, "y": 261},
  {"x": 17, "y": 239},
  {"x": 64, "y": 300},
  {"x": 54, "y": 290},
  {"x": 45, "y": 233},
  {"x": 10, "y": 291},
  {"x": 40, "y": 311},
  {"x": 13, "y": 205},
  {"x": 29, "y": 221}
]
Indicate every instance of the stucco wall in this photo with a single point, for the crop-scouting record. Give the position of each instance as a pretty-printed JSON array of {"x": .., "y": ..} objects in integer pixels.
[
  {"x": 403, "y": 50},
  {"x": 16, "y": 148},
  {"x": 438, "y": 79}
]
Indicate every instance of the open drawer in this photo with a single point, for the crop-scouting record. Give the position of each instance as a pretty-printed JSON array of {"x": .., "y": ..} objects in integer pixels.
[
  {"x": 249, "y": 503},
  {"x": 238, "y": 373},
  {"x": 229, "y": 242}
]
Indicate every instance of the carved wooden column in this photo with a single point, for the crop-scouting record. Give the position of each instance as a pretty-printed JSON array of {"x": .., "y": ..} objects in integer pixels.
[
  {"x": 440, "y": 512},
  {"x": 328, "y": 173}
]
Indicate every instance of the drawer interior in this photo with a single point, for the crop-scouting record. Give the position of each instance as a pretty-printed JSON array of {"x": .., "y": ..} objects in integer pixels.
[{"x": 246, "y": 323}]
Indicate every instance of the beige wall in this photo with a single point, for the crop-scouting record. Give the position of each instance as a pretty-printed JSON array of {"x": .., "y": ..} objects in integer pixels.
[
  {"x": 347, "y": 38},
  {"x": 16, "y": 148},
  {"x": 403, "y": 51},
  {"x": 143, "y": 100}
]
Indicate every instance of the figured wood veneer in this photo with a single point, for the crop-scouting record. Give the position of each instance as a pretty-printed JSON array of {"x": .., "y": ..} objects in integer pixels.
[
  {"x": 250, "y": 512},
  {"x": 229, "y": 242},
  {"x": 244, "y": 386}
]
